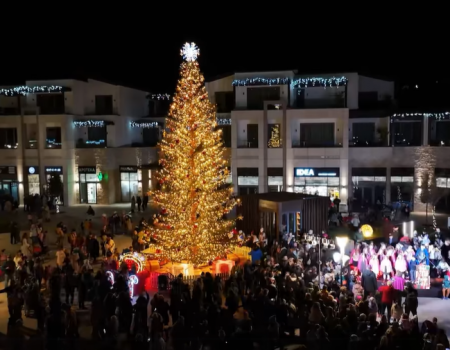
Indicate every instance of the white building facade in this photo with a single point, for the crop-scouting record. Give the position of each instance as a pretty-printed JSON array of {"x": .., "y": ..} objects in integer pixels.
[{"x": 100, "y": 138}]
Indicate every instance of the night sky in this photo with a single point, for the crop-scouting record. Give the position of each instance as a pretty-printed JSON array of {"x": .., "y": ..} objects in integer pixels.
[{"x": 145, "y": 54}]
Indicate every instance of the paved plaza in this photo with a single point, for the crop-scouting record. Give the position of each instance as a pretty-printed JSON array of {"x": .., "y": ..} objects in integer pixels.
[{"x": 73, "y": 216}]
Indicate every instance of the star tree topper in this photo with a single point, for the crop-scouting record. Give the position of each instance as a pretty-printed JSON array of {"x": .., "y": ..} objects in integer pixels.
[{"x": 190, "y": 52}]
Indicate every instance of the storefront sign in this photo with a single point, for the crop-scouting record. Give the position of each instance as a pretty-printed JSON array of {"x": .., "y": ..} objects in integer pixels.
[
  {"x": 128, "y": 169},
  {"x": 53, "y": 169},
  {"x": 87, "y": 170},
  {"x": 316, "y": 172},
  {"x": 32, "y": 170},
  {"x": 7, "y": 170}
]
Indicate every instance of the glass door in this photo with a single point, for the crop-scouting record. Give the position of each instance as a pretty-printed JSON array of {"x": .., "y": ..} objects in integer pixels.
[{"x": 92, "y": 193}]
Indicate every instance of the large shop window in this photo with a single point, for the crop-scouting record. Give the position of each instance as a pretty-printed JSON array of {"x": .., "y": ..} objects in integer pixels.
[
  {"x": 55, "y": 170},
  {"x": 9, "y": 185},
  {"x": 317, "y": 181},
  {"x": 34, "y": 186},
  {"x": 402, "y": 185},
  {"x": 257, "y": 95},
  {"x": 88, "y": 184},
  {"x": 316, "y": 134},
  {"x": 443, "y": 181},
  {"x": 275, "y": 179},
  {"x": 248, "y": 181},
  {"x": 369, "y": 186},
  {"x": 130, "y": 182}
]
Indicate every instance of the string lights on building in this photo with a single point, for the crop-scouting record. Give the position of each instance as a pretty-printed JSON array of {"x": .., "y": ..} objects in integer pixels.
[
  {"x": 318, "y": 81},
  {"x": 144, "y": 125},
  {"x": 261, "y": 81},
  {"x": 223, "y": 121},
  {"x": 25, "y": 90},
  {"x": 89, "y": 123},
  {"x": 98, "y": 142},
  {"x": 159, "y": 97},
  {"x": 438, "y": 116}
]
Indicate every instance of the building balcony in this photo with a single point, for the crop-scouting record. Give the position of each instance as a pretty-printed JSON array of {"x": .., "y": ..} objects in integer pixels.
[
  {"x": 318, "y": 103},
  {"x": 305, "y": 144},
  {"x": 9, "y": 111}
]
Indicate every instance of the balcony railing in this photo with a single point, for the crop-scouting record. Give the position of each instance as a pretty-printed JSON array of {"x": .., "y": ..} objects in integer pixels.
[
  {"x": 304, "y": 144},
  {"x": 440, "y": 143},
  {"x": 357, "y": 142},
  {"x": 247, "y": 144},
  {"x": 318, "y": 103}
]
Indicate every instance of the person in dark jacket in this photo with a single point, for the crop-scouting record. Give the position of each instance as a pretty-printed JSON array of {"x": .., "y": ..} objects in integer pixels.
[
  {"x": 411, "y": 301},
  {"x": 93, "y": 248},
  {"x": 369, "y": 282}
]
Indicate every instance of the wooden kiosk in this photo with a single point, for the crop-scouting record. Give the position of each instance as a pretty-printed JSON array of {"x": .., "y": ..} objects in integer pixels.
[{"x": 275, "y": 210}]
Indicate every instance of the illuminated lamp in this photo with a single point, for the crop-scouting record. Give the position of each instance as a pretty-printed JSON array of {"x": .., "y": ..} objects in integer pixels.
[
  {"x": 132, "y": 281},
  {"x": 367, "y": 231}
]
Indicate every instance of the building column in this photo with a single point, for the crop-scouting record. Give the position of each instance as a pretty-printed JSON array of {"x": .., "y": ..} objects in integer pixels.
[
  {"x": 388, "y": 185},
  {"x": 425, "y": 140}
]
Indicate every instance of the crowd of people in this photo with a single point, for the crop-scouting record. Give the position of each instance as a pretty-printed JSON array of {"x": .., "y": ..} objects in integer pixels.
[{"x": 285, "y": 294}]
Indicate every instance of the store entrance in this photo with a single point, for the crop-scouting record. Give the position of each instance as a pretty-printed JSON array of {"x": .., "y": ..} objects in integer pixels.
[{"x": 10, "y": 188}]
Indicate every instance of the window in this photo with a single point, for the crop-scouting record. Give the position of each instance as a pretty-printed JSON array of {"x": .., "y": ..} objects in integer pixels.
[
  {"x": 257, "y": 96},
  {"x": 103, "y": 104},
  {"x": 8, "y": 138},
  {"x": 158, "y": 108},
  {"x": 363, "y": 133},
  {"x": 442, "y": 135},
  {"x": 316, "y": 134},
  {"x": 50, "y": 103},
  {"x": 407, "y": 133},
  {"x": 150, "y": 137},
  {"x": 252, "y": 135},
  {"x": 98, "y": 135},
  {"x": 53, "y": 138},
  {"x": 224, "y": 101},
  {"x": 226, "y": 135}
]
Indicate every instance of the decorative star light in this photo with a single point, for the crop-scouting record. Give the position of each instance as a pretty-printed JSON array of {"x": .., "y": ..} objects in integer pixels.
[{"x": 190, "y": 52}]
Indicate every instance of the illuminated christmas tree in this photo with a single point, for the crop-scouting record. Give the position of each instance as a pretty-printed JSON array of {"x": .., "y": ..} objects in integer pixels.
[{"x": 193, "y": 194}]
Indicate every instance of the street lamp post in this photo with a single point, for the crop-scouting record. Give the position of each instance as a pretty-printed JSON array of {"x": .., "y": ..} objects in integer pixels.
[{"x": 341, "y": 243}]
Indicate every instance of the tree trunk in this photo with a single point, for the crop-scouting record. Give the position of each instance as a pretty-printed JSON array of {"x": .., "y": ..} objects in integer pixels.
[{"x": 426, "y": 214}]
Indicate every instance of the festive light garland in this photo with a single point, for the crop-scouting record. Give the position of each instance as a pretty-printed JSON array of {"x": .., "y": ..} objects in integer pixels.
[
  {"x": 89, "y": 123},
  {"x": 275, "y": 138},
  {"x": 53, "y": 142},
  {"x": 99, "y": 142},
  {"x": 159, "y": 97},
  {"x": 318, "y": 81},
  {"x": 25, "y": 90},
  {"x": 434, "y": 217},
  {"x": 110, "y": 277},
  {"x": 136, "y": 258},
  {"x": 132, "y": 281},
  {"x": 144, "y": 125},
  {"x": 399, "y": 194},
  {"x": 261, "y": 81},
  {"x": 223, "y": 121},
  {"x": 438, "y": 116}
]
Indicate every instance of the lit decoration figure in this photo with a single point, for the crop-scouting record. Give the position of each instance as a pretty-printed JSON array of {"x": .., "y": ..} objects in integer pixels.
[
  {"x": 275, "y": 138},
  {"x": 132, "y": 281},
  {"x": 194, "y": 193},
  {"x": 134, "y": 258},
  {"x": 110, "y": 277},
  {"x": 367, "y": 231},
  {"x": 190, "y": 52}
]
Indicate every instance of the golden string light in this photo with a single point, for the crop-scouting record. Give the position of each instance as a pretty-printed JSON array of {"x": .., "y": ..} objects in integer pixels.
[{"x": 193, "y": 194}]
